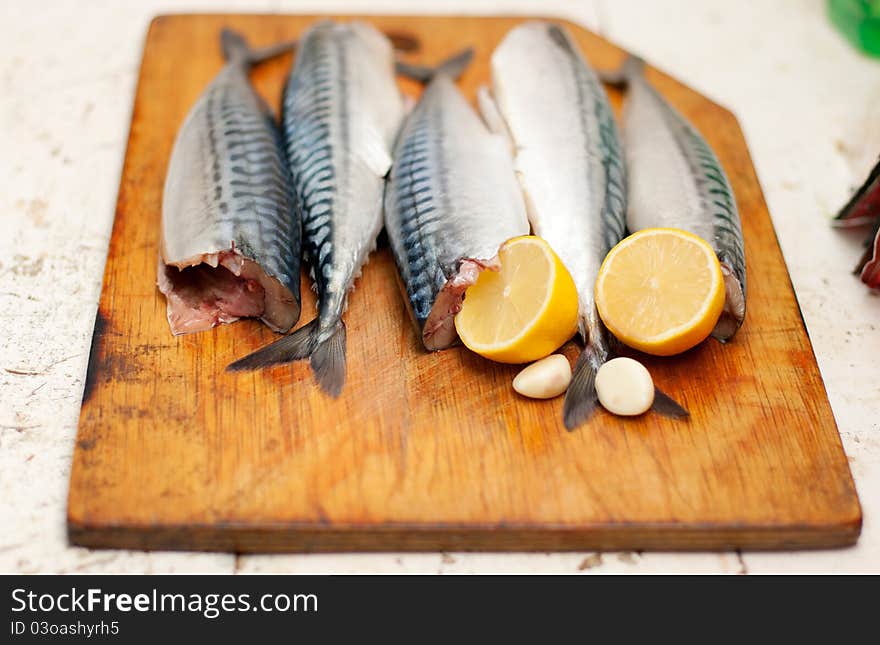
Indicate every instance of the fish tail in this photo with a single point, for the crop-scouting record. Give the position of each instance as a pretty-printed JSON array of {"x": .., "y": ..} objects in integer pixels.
[
  {"x": 328, "y": 361},
  {"x": 295, "y": 346},
  {"x": 491, "y": 114},
  {"x": 667, "y": 406},
  {"x": 581, "y": 397},
  {"x": 236, "y": 47},
  {"x": 327, "y": 356},
  {"x": 453, "y": 67},
  {"x": 633, "y": 67}
]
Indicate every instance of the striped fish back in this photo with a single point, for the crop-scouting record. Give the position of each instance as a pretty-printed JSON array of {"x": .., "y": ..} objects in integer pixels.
[
  {"x": 307, "y": 120},
  {"x": 417, "y": 204},
  {"x": 257, "y": 194},
  {"x": 229, "y": 181},
  {"x": 713, "y": 186},
  {"x": 610, "y": 181}
]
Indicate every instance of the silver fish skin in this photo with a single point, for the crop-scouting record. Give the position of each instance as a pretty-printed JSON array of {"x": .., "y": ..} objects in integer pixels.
[
  {"x": 676, "y": 180},
  {"x": 230, "y": 236},
  {"x": 340, "y": 114},
  {"x": 569, "y": 161},
  {"x": 452, "y": 199}
]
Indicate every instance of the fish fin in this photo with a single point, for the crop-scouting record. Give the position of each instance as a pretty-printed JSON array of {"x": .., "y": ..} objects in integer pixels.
[
  {"x": 453, "y": 67},
  {"x": 667, "y": 406},
  {"x": 292, "y": 347},
  {"x": 420, "y": 73},
  {"x": 408, "y": 104},
  {"x": 633, "y": 67},
  {"x": 581, "y": 397},
  {"x": 374, "y": 153},
  {"x": 489, "y": 111},
  {"x": 271, "y": 51},
  {"x": 328, "y": 362},
  {"x": 235, "y": 47},
  {"x": 561, "y": 37},
  {"x": 491, "y": 114},
  {"x": 497, "y": 125}
]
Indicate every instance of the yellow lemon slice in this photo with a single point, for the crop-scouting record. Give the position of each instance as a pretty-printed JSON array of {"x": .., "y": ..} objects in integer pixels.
[
  {"x": 524, "y": 311},
  {"x": 660, "y": 290}
]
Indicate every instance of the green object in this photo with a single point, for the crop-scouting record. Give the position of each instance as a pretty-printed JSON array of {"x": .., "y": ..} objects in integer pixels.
[{"x": 859, "y": 21}]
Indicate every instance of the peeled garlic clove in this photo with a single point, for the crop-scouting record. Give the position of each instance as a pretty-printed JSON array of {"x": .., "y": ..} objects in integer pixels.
[
  {"x": 625, "y": 387},
  {"x": 545, "y": 378}
]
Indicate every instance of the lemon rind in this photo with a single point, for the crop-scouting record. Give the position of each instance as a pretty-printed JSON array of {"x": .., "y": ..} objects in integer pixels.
[
  {"x": 680, "y": 330},
  {"x": 497, "y": 348}
]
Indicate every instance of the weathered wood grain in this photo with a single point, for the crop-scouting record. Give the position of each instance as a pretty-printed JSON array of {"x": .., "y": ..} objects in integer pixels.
[{"x": 432, "y": 451}]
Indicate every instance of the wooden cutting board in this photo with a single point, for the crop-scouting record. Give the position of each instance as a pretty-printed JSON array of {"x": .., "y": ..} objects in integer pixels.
[{"x": 429, "y": 451}]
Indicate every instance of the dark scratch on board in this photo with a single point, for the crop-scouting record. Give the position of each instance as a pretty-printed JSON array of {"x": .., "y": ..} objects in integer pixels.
[{"x": 101, "y": 325}]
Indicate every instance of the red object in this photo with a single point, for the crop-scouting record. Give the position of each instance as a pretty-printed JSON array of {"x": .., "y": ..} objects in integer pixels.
[
  {"x": 871, "y": 269},
  {"x": 864, "y": 207}
]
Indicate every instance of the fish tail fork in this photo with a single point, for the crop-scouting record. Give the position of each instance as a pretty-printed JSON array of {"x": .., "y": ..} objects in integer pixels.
[
  {"x": 326, "y": 356},
  {"x": 295, "y": 346},
  {"x": 235, "y": 46},
  {"x": 666, "y": 406},
  {"x": 328, "y": 361},
  {"x": 454, "y": 66},
  {"x": 581, "y": 397}
]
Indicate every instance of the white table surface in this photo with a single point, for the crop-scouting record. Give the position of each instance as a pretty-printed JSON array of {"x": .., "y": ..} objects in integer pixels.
[{"x": 810, "y": 108}]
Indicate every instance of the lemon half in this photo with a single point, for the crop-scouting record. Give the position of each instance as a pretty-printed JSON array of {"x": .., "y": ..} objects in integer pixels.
[
  {"x": 660, "y": 290},
  {"x": 524, "y": 311}
]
